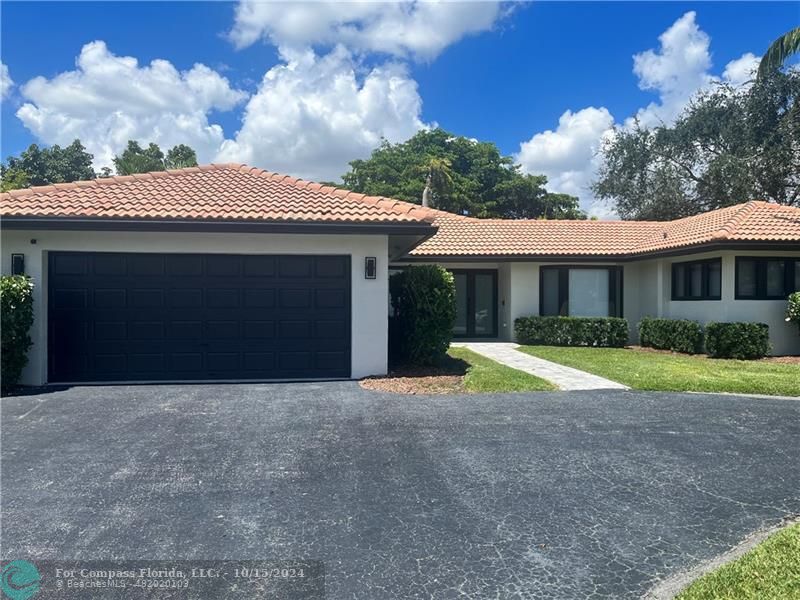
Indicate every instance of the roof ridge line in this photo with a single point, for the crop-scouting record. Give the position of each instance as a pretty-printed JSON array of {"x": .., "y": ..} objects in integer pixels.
[{"x": 728, "y": 228}]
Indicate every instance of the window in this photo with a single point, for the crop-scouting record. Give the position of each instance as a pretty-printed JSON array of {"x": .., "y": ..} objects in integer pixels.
[
  {"x": 580, "y": 291},
  {"x": 697, "y": 280},
  {"x": 766, "y": 278}
]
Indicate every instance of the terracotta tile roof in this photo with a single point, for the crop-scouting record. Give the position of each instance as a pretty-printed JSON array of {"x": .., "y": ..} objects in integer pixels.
[
  {"x": 213, "y": 192},
  {"x": 752, "y": 221},
  {"x": 238, "y": 192}
]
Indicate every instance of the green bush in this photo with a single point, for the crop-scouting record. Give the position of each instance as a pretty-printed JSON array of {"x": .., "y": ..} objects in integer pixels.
[
  {"x": 678, "y": 335},
  {"x": 424, "y": 301},
  {"x": 793, "y": 309},
  {"x": 737, "y": 340},
  {"x": 572, "y": 331},
  {"x": 16, "y": 318}
]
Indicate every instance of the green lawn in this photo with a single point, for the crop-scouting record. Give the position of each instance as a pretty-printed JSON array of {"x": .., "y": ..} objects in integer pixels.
[
  {"x": 486, "y": 375},
  {"x": 770, "y": 571},
  {"x": 677, "y": 372}
]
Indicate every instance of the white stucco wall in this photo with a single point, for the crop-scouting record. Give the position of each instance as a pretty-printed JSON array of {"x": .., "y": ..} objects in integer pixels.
[
  {"x": 784, "y": 336},
  {"x": 369, "y": 318},
  {"x": 647, "y": 292}
]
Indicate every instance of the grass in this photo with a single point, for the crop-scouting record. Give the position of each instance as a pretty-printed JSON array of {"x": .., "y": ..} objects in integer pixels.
[
  {"x": 770, "y": 571},
  {"x": 486, "y": 375},
  {"x": 642, "y": 370}
]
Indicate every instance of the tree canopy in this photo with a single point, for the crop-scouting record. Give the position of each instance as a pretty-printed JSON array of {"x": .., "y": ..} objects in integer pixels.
[
  {"x": 728, "y": 146},
  {"x": 135, "y": 159},
  {"x": 43, "y": 166},
  {"x": 54, "y": 164},
  {"x": 465, "y": 177}
]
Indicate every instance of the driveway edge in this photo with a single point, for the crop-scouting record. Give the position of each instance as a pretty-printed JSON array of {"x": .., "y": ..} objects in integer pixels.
[{"x": 668, "y": 588}]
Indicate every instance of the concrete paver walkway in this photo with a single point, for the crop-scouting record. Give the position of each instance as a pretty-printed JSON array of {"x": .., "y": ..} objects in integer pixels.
[{"x": 565, "y": 378}]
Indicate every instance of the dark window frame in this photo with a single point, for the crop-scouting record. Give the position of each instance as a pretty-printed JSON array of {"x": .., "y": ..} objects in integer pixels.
[
  {"x": 616, "y": 289},
  {"x": 761, "y": 277},
  {"x": 470, "y": 273},
  {"x": 704, "y": 283}
]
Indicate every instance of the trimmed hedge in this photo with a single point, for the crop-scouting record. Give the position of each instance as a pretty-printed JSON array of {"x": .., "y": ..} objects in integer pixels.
[
  {"x": 424, "y": 301},
  {"x": 737, "y": 340},
  {"x": 793, "y": 309},
  {"x": 572, "y": 331},
  {"x": 678, "y": 335},
  {"x": 16, "y": 318}
]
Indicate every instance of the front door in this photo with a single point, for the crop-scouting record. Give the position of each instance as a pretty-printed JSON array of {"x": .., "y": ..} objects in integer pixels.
[{"x": 476, "y": 303}]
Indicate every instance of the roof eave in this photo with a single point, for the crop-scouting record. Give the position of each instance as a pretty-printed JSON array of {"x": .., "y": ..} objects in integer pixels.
[
  {"x": 753, "y": 245},
  {"x": 418, "y": 228}
]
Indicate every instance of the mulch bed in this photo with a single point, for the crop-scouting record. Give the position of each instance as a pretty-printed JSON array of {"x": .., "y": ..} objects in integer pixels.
[
  {"x": 785, "y": 360},
  {"x": 444, "y": 378}
]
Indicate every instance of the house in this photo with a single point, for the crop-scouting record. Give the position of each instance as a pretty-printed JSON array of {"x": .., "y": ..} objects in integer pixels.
[{"x": 227, "y": 272}]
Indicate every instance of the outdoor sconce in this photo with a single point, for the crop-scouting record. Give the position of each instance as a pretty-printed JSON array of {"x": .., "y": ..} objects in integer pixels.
[
  {"x": 370, "y": 267},
  {"x": 18, "y": 264}
]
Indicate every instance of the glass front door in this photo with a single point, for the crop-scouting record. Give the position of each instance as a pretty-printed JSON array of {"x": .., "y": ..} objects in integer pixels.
[{"x": 476, "y": 303}]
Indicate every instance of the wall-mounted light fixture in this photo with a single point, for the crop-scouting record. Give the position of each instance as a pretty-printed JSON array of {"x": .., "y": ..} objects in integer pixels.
[
  {"x": 370, "y": 267},
  {"x": 18, "y": 264}
]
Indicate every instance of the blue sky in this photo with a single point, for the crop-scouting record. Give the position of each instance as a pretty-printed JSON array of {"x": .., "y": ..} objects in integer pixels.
[{"x": 341, "y": 77}]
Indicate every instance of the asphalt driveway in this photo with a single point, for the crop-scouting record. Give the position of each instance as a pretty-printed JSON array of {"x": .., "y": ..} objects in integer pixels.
[{"x": 551, "y": 495}]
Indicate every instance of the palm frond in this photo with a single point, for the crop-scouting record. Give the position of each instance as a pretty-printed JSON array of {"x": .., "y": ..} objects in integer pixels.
[{"x": 780, "y": 50}]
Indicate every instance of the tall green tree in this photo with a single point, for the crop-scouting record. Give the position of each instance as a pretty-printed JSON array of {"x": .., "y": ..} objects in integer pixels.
[
  {"x": 43, "y": 166},
  {"x": 728, "y": 146},
  {"x": 463, "y": 176},
  {"x": 136, "y": 159},
  {"x": 779, "y": 52},
  {"x": 180, "y": 157}
]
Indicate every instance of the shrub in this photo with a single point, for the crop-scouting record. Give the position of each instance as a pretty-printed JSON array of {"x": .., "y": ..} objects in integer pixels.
[
  {"x": 16, "y": 318},
  {"x": 424, "y": 300},
  {"x": 737, "y": 340},
  {"x": 678, "y": 335},
  {"x": 572, "y": 331},
  {"x": 793, "y": 309}
]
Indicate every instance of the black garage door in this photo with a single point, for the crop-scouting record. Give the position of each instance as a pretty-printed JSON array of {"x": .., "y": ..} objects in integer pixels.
[{"x": 146, "y": 317}]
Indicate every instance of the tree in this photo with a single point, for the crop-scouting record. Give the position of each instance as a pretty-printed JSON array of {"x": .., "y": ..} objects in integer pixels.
[
  {"x": 463, "y": 176},
  {"x": 728, "y": 146},
  {"x": 180, "y": 157},
  {"x": 43, "y": 166},
  {"x": 779, "y": 51},
  {"x": 135, "y": 159}
]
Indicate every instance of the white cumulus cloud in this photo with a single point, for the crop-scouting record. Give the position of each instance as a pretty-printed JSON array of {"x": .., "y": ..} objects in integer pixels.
[
  {"x": 418, "y": 28},
  {"x": 676, "y": 71},
  {"x": 569, "y": 155},
  {"x": 6, "y": 83},
  {"x": 110, "y": 99},
  {"x": 741, "y": 70},
  {"x": 314, "y": 114}
]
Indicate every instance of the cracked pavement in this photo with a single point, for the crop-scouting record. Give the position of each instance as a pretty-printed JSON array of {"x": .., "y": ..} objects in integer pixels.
[{"x": 587, "y": 494}]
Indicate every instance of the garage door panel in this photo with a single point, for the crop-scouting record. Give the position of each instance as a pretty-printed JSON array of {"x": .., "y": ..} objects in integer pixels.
[
  {"x": 147, "y": 298},
  {"x": 146, "y": 264},
  {"x": 70, "y": 298},
  {"x": 160, "y": 317},
  {"x": 188, "y": 298},
  {"x": 110, "y": 298},
  {"x": 110, "y": 265},
  {"x": 259, "y": 330},
  {"x": 71, "y": 264},
  {"x": 259, "y": 361},
  {"x": 259, "y": 298},
  {"x": 110, "y": 330},
  {"x": 259, "y": 266},
  {"x": 334, "y": 267}
]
